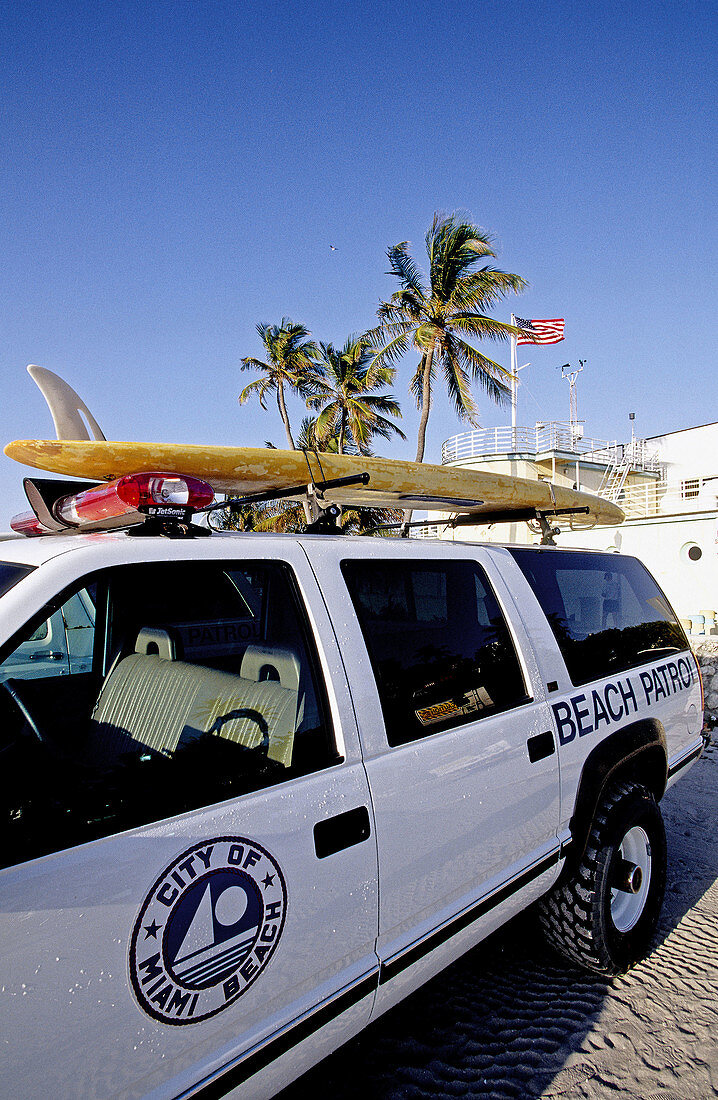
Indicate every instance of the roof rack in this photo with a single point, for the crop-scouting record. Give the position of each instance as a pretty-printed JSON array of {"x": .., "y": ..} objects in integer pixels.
[
  {"x": 480, "y": 519},
  {"x": 323, "y": 515}
]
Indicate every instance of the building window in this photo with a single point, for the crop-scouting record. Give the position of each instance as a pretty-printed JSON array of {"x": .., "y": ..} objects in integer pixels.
[
  {"x": 691, "y": 552},
  {"x": 690, "y": 488}
]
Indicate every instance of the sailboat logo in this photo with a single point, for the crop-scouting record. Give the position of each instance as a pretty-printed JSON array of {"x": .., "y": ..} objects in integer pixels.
[
  {"x": 207, "y": 929},
  {"x": 213, "y": 929}
]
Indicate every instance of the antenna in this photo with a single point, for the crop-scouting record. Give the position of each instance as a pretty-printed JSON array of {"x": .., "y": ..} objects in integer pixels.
[{"x": 572, "y": 375}]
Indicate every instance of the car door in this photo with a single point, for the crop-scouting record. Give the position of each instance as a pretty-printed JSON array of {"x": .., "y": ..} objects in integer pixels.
[
  {"x": 459, "y": 753},
  {"x": 191, "y": 889}
]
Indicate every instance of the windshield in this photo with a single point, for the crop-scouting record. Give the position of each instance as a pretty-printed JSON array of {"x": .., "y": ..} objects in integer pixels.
[{"x": 10, "y": 574}]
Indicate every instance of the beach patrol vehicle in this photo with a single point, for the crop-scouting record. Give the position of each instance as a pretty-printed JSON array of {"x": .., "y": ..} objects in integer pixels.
[{"x": 256, "y": 789}]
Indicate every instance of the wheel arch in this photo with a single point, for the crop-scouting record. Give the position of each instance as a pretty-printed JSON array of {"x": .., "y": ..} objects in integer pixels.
[{"x": 637, "y": 752}]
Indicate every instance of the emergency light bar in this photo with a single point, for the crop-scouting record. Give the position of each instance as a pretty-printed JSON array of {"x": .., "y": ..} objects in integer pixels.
[
  {"x": 123, "y": 502},
  {"x": 151, "y": 494},
  {"x": 27, "y": 523}
]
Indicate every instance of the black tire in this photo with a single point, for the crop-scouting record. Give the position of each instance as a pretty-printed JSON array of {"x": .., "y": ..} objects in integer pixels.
[{"x": 587, "y": 916}]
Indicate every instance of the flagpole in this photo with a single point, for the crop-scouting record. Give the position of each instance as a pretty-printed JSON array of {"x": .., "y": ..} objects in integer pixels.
[{"x": 514, "y": 386}]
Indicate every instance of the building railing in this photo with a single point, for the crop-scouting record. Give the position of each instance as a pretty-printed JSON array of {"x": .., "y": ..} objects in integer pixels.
[
  {"x": 545, "y": 438},
  {"x": 428, "y": 531},
  {"x": 658, "y": 498},
  {"x": 655, "y": 498}
]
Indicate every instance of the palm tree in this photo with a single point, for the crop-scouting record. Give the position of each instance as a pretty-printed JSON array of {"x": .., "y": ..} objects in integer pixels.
[
  {"x": 436, "y": 318},
  {"x": 345, "y": 386},
  {"x": 291, "y": 357}
]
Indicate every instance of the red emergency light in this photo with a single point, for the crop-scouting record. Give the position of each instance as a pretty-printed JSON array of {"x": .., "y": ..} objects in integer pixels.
[
  {"x": 132, "y": 497},
  {"x": 27, "y": 523},
  {"x": 133, "y": 493}
]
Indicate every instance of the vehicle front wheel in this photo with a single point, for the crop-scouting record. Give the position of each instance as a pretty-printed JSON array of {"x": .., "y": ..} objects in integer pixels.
[{"x": 604, "y": 914}]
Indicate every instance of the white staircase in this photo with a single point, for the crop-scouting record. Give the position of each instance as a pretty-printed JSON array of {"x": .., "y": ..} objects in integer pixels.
[{"x": 614, "y": 480}]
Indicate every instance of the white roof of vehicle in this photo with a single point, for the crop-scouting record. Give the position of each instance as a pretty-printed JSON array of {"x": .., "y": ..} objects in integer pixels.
[{"x": 37, "y": 551}]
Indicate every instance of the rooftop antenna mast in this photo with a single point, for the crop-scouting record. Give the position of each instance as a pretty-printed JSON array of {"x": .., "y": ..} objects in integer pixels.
[{"x": 572, "y": 375}]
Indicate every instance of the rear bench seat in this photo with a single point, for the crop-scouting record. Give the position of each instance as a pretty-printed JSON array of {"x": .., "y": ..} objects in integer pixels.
[{"x": 151, "y": 702}]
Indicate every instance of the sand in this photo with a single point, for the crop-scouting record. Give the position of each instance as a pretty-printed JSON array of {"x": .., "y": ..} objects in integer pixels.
[{"x": 511, "y": 1020}]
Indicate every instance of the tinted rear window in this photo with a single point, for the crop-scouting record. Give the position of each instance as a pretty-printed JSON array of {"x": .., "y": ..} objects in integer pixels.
[
  {"x": 10, "y": 574},
  {"x": 438, "y": 643},
  {"x": 606, "y": 611}
]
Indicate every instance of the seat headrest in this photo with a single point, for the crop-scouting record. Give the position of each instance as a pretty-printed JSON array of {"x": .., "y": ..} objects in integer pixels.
[
  {"x": 265, "y": 663},
  {"x": 153, "y": 641}
]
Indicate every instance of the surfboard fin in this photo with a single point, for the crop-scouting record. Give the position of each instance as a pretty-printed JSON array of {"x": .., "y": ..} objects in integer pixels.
[{"x": 71, "y": 416}]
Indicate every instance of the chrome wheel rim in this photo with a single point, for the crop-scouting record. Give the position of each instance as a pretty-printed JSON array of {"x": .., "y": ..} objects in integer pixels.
[{"x": 628, "y": 905}]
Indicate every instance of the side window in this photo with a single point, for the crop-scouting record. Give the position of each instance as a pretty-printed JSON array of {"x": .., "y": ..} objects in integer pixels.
[
  {"x": 44, "y": 653},
  {"x": 438, "y": 643},
  {"x": 185, "y": 684},
  {"x": 79, "y": 622},
  {"x": 58, "y": 645},
  {"x": 606, "y": 612}
]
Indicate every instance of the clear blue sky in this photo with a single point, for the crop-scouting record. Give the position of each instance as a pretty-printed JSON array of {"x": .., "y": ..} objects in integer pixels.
[{"x": 175, "y": 172}]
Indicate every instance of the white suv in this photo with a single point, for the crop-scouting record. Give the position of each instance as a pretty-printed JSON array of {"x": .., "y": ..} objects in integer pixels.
[{"x": 256, "y": 789}]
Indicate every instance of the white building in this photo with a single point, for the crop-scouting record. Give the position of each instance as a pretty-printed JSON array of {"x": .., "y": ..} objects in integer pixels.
[{"x": 667, "y": 486}]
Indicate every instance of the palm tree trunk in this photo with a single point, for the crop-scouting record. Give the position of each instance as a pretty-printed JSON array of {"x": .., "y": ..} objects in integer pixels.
[
  {"x": 285, "y": 416},
  {"x": 425, "y": 404},
  {"x": 292, "y": 446},
  {"x": 342, "y": 432}
]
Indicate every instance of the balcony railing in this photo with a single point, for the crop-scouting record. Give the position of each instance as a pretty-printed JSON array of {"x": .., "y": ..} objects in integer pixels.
[
  {"x": 662, "y": 498},
  {"x": 545, "y": 438},
  {"x": 656, "y": 498}
]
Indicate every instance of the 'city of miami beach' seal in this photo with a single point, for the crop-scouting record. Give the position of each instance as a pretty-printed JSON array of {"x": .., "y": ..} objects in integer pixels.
[{"x": 207, "y": 929}]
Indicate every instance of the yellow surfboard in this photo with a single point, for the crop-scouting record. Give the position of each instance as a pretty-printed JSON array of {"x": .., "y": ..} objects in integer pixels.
[
  {"x": 81, "y": 450},
  {"x": 247, "y": 470}
]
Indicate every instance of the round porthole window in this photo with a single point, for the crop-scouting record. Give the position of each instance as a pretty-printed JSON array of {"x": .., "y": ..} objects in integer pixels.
[{"x": 691, "y": 552}]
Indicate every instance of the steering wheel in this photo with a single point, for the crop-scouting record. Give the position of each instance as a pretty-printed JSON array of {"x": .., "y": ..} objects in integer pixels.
[{"x": 8, "y": 687}]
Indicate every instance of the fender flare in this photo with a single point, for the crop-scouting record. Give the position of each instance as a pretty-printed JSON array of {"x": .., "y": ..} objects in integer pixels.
[{"x": 637, "y": 751}]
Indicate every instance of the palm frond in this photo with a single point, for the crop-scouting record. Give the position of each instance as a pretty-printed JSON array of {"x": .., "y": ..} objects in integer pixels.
[
  {"x": 394, "y": 349},
  {"x": 383, "y": 404},
  {"x": 457, "y": 379},
  {"x": 474, "y": 324},
  {"x": 259, "y": 388},
  {"x": 494, "y": 379},
  {"x": 416, "y": 386},
  {"x": 361, "y": 521},
  {"x": 480, "y": 289},
  {"x": 379, "y": 375},
  {"x": 253, "y": 364},
  {"x": 344, "y": 379},
  {"x": 454, "y": 247},
  {"x": 436, "y": 320},
  {"x": 380, "y": 425},
  {"x": 327, "y": 423},
  {"x": 404, "y": 268}
]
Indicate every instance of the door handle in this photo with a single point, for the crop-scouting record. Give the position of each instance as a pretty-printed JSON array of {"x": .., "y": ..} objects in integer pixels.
[
  {"x": 335, "y": 833},
  {"x": 541, "y": 746}
]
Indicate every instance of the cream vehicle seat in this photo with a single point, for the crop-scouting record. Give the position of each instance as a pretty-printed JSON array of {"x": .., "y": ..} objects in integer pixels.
[{"x": 151, "y": 701}]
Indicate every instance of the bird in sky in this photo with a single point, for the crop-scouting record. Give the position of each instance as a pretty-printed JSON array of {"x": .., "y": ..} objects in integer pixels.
[{"x": 333, "y": 247}]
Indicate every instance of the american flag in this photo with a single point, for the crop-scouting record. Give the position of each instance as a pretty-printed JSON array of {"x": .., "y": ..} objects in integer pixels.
[{"x": 540, "y": 332}]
